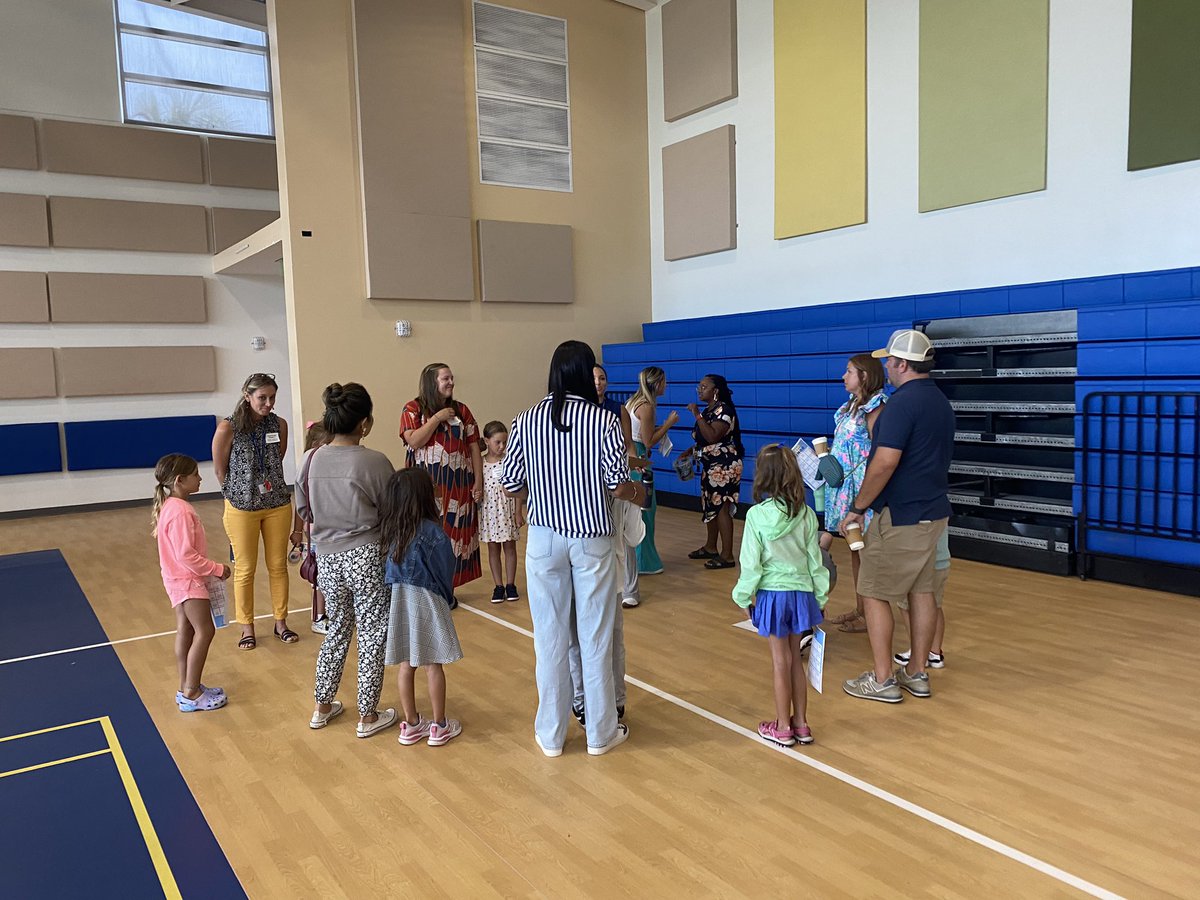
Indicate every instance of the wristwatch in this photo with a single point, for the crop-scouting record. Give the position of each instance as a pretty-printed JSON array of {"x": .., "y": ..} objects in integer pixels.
[{"x": 856, "y": 511}]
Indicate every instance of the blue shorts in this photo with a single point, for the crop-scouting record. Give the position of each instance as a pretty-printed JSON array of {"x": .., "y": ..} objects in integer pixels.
[{"x": 780, "y": 613}]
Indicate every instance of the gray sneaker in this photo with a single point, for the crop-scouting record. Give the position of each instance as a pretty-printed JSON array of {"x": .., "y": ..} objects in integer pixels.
[
  {"x": 866, "y": 687},
  {"x": 917, "y": 685}
]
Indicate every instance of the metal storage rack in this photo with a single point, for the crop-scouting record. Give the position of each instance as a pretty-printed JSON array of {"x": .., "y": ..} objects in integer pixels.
[{"x": 1011, "y": 381}]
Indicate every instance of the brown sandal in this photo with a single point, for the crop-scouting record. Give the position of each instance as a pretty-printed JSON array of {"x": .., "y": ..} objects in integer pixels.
[
  {"x": 844, "y": 618},
  {"x": 854, "y": 626}
]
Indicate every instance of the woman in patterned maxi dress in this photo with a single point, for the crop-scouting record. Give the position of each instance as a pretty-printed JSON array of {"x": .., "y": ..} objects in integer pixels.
[
  {"x": 443, "y": 439},
  {"x": 851, "y": 445}
]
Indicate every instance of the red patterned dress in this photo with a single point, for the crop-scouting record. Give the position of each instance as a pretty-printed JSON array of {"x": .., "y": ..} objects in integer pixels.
[{"x": 447, "y": 459}]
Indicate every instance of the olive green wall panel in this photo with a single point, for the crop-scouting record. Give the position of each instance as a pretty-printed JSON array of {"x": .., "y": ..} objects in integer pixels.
[
  {"x": 1164, "y": 83},
  {"x": 983, "y": 96}
]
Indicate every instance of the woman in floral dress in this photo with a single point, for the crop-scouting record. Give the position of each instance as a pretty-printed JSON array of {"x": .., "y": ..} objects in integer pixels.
[
  {"x": 443, "y": 439},
  {"x": 719, "y": 447},
  {"x": 851, "y": 445}
]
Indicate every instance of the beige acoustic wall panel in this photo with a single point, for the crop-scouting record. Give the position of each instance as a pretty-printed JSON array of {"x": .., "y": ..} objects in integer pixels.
[
  {"x": 26, "y": 373},
  {"x": 86, "y": 223},
  {"x": 248, "y": 164},
  {"x": 699, "y": 195},
  {"x": 23, "y": 221},
  {"x": 526, "y": 262},
  {"x": 699, "y": 53},
  {"x": 412, "y": 119},
  {"x": 122, "y": 151},
  {"x": 233, "y": 225},
  {"x": 92, "y": 297},
  {"x": 18, "y": 142},
  {"x": 23, "y": 297},
  {"x": 118, "y": 371}
]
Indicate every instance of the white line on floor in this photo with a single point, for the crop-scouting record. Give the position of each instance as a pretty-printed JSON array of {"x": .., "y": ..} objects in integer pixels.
[
  {"x": 140, "y": 637},
  {"x": 879, "y": 793},
  {"x": 899, "y": 802}
]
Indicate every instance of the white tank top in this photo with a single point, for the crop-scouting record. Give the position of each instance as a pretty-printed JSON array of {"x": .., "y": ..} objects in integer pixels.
[{"x": 637, "y": 425}]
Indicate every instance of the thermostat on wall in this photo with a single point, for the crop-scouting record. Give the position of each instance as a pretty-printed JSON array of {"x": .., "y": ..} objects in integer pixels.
[
  {"x": 403, "y": 328},
  {"x": 258, "y": 343}
]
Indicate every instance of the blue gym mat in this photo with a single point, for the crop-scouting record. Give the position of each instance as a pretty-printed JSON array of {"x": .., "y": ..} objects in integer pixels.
[{"x": 93, "y": 804}]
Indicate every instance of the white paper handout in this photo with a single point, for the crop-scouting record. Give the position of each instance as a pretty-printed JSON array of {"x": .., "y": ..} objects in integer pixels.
[
  {"x": 816, "y": 659},
  {"x": 216, "y": 599},
  {"x": 808, "y": 464},
  {"x": 665, "y": 446}
]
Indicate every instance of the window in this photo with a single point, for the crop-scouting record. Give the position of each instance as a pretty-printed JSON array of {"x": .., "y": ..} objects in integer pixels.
[
  {"x": 185, "y": 70},
  {"x": 522, "y": 98}
]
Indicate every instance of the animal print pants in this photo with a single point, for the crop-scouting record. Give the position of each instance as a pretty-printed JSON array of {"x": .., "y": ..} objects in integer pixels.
[{"x": 355, "y": 595}]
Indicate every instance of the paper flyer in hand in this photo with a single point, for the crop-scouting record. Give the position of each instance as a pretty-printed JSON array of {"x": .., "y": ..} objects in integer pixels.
[
  {"x": 216, "y": 599},
  {"x": 808, "y": 464},
  {"x": 665, "y": 446},
  {"x": 816, "y": 659}
]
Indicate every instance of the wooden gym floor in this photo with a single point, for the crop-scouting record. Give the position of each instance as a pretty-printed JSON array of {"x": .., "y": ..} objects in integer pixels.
[{"x": 1056, "y": 757}]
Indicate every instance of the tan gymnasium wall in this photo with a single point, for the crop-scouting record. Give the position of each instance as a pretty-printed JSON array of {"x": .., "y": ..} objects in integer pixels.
[{"x": 499, "y": 352}]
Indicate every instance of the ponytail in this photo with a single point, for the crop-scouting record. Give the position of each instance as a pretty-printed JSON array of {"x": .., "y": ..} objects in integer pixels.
[{"x": 166, "y": 471}]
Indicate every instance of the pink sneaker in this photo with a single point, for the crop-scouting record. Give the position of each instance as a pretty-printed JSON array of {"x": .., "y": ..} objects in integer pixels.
[
  {"x": 443, "y": 734},
  {"x": 803, "y": 734},
  {"x": 776, "y": 735},
  {"x": 414, "y": 734}
]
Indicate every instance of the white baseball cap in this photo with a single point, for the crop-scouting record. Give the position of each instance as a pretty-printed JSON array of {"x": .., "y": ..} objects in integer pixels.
[{"x": 907, "y": 344}]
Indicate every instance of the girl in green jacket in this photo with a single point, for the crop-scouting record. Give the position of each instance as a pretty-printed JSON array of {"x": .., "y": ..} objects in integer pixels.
[{"x": 784, "y": 585}]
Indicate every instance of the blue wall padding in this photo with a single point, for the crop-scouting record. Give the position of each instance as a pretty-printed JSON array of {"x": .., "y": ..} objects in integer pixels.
[
  {"x": 137, "y": 443},
  {"x": 25, "y": 449}
]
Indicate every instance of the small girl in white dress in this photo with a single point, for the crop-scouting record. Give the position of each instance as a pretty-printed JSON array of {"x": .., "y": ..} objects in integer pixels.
[{"x": 500, "y": 518}]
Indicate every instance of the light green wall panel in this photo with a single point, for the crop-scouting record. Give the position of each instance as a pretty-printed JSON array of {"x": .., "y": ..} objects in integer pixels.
[
  {"x": 1164, "y": 83},
  {"x": 983, "y": 88}
]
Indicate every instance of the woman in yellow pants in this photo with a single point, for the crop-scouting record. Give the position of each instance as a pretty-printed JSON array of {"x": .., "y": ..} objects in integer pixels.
[{"x": 248, "y": 452}]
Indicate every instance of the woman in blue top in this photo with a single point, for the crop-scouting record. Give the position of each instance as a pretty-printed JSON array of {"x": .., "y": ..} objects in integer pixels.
[{"x": 854, "y": 423}]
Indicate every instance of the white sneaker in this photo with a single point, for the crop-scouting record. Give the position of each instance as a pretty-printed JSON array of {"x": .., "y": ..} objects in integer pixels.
[
  {"x": 320, "y": 719},
  {"x": 442, "y": 734},
  {"x": 619, "y": 738},
  {"x": 545, "y": 751},
  {"x": 630, "y": 602},
  {"x": 387, "y": 718},
  {"x": 321, "y": 626}
]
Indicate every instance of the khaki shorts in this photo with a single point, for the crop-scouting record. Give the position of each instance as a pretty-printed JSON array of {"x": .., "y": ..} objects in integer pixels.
[
  {"x": 940, "y": 577},
  {"x": 898, "y": 560}
]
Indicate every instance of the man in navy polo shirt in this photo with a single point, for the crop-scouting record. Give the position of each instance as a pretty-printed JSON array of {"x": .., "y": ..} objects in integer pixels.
[{"x": 906, "y": 486}]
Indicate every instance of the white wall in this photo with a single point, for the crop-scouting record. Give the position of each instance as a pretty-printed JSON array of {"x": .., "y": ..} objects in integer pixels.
[
  {"x": 57, "y": 60},
  {"x": 1094, "y": 217},
  {"x": 238, "y": 309}
]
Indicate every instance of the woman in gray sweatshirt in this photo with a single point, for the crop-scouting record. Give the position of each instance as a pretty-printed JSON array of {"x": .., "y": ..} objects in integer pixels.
[{"x": 340, "y": 488}]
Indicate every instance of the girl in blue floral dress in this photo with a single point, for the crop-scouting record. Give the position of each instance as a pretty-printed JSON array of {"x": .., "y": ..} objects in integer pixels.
[{"x": 851, "y": 445}]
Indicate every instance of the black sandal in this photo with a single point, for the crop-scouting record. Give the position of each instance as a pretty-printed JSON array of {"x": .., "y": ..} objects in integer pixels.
[
  {"x": 717, "y": 563},
  {"x": 248, "y": 642},
  {"x": 702, "y": 553},
  {"x": 287, "y": 636}
]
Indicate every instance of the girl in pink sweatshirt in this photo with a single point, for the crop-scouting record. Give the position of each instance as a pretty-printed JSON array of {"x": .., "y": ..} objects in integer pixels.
[{"x": 182, "y": 554}]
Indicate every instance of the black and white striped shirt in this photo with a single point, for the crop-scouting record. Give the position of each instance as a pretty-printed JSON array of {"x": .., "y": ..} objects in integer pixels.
[{"x": 569, "y": 474}]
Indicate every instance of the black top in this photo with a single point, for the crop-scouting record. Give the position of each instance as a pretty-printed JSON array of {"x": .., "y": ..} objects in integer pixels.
[{"x": 919, "y": 422}]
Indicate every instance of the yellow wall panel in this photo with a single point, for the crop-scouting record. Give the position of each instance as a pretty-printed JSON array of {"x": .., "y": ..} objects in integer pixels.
[{"x": 820, "y": 115}]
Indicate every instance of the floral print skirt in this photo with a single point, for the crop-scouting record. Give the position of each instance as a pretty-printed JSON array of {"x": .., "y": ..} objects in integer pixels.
[{"x": 720, "y": 481}]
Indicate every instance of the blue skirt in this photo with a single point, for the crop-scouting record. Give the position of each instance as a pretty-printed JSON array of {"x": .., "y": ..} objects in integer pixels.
[{"x": 780, "y": 613}]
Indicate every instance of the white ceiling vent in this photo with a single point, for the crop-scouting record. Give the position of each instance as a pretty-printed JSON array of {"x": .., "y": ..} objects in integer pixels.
[{"x": 522, "y": 97}]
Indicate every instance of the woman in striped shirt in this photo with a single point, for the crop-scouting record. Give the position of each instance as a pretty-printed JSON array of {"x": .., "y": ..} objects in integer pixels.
[{"x": 567, "y": 457}]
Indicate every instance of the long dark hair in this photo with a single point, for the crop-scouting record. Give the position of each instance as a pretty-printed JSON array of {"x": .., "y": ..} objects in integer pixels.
[
  {"x": 570, "y": 373},
  {"x": 407, "y": 499},
  {"x": 241, "y": 413},
  {"x": 725, "y": 396},
  {"x": 346, "y": 405},
  {"x": 428, "y": 397}
]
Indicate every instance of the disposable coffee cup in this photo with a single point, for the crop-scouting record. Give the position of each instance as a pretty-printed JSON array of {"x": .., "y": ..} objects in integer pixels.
[
  {"x": 820, "y": 447},
  {"x": 854, "y": 536}
]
